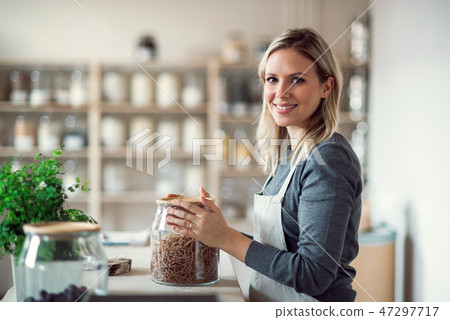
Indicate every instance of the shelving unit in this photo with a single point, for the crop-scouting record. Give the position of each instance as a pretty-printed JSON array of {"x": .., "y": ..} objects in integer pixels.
[{"x": 227, "y": 113}]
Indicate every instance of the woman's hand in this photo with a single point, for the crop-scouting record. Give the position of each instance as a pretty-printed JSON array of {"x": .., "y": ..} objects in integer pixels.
[{"x": 205, "y": 225}]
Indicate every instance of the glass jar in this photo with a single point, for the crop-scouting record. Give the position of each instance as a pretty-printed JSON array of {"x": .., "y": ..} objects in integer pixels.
[
  {"x": 60, "y": 261},
  {"x": 178, "y": 259}
]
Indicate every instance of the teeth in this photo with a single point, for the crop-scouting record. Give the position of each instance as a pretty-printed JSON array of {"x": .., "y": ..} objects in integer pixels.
[{"x": 286, "y": 107}]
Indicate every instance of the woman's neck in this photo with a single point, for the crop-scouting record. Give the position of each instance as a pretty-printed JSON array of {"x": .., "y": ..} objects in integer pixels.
[{"x": 295, "y": 135}]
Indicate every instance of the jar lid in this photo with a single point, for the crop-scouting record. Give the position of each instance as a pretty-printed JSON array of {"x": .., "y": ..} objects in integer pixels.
[
  {"x": 60, "y": 227},
  {"x": 193, "y": 200}
]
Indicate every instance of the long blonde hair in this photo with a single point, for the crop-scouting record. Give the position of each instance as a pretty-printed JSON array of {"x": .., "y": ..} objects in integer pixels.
[{"x": 323, "y": 122}]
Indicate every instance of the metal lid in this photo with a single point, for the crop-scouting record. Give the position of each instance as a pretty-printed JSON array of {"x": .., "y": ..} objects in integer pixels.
[
  {"x": 60, "y": 227},
  {"x": 168, "y": 200}
]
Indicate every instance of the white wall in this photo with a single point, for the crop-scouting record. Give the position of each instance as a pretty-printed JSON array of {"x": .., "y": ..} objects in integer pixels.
[
  {"x": 410, "y": 138},
  {"x": 184, "y": 29}
]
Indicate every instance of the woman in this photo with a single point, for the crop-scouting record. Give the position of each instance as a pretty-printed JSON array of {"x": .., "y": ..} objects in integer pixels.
[{"x": 307, "y": 214}]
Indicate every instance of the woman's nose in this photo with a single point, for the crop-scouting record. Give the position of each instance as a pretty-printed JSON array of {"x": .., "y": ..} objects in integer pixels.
[{"x": 282, "y": 90}]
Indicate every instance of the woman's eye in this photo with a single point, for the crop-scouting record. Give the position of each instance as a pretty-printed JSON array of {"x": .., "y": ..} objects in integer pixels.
[
  {"x": 298, "y": 80},
  {"x": 271, "y": 80}
]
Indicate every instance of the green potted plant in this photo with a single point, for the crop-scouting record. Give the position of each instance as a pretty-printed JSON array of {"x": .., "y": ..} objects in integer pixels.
[{"x": 34, "y": 193}]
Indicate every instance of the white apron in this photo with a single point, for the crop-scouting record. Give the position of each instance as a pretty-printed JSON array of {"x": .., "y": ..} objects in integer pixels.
[{"x": 268, "y": 230}]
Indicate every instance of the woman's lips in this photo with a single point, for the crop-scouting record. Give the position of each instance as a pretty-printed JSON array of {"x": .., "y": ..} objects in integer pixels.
[{"x": 284, "y": 108}]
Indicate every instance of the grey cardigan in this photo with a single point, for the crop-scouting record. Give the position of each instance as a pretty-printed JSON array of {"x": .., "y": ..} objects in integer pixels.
[{"x": 321, "y": 214}]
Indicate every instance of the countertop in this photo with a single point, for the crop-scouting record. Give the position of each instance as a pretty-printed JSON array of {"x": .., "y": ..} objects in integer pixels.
[{"x": 138, "y": 281}]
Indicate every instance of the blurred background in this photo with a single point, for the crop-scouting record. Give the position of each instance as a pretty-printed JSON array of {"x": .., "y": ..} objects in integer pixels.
[{"x": 72, "y": 72}]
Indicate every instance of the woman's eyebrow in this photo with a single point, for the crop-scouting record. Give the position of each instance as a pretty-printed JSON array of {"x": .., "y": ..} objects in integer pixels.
[
  {"x": 299, "y": 74},
  {"x": 291, "y": 75}
]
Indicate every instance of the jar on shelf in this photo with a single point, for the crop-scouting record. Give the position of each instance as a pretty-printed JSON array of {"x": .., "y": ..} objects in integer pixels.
[
  {"x": 141, "y": 89},
  {"x": 61, "y": 261},
  {"x": 19, "y": 87},
  {"x": 167, "y": 90},
  {"x": 193, "y": 128},
  {"x": 113, "y": 132},
  {"x": 233, "y": 49},
  {"x": 192, "y": 95},
  {"x": 74, "y": 133},
  {"x": 115, "y": 86},
  {"x": 78, "y": 89},
  {"x": 24, "y": 134},
  {"x": 49, "y": 134},
  {"x": 178, "y": 259},
  {"x": 60, "y": 90},
  {"x": 40, "y": 88}
]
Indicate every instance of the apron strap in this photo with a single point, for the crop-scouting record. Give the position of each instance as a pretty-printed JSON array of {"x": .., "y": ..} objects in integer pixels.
[{"x": 280, "y": 195}]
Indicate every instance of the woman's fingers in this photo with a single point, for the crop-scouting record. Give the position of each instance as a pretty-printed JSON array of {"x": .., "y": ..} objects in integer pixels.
[
  {"x": 209, "y": 204},
  {"x": 203, "y": 193}
]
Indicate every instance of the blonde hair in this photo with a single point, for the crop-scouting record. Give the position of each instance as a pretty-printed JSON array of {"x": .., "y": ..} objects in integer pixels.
[{"x": 323, "y": 122}]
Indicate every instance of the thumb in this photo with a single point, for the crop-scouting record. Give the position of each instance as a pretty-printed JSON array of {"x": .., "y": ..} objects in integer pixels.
[
  {"x": 209, "y": 204},
  {"x": 203, "y": 193}
]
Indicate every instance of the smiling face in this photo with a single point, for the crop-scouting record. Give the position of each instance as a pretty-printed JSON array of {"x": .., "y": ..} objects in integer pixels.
[{"x": 292, "y": 90}]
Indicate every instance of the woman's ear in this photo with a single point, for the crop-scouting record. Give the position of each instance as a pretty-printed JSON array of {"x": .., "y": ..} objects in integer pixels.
[{"x": 327, "y": 86}]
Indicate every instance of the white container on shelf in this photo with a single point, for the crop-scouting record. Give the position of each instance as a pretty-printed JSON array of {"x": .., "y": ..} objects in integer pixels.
[
  {"x": 141, "y": 89},
  {"x": 114, "y": 86},
  {"x": 40, "y": 88},
  {"x": 192, "y": 130},
  {"x": 74, "y": 135},
  {"x": 49, "y": 134},
  {"x": 24, "y": 134},
  {"x": 113, "y": 132},
  {"x": 167, "y": 90},
  {"x": 137, "y": 124},
  {"x": 170, "y": 127},
  {"x": 60, "y": 90},
  {"x": 192, "y": 94},
  {"x": 19, "y": 91},
  {"x": 78, "y": 90}
]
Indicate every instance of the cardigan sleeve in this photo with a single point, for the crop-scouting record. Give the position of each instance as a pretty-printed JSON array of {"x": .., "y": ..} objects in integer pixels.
[{"x": 330, "y": 185}]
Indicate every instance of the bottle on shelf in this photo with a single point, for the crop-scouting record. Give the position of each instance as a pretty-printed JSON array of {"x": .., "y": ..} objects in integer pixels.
[
  {"x": 167, "y": 89},
  {"x": 78, "y": 89},
  {"x": 113, "y": 132},
  {"x": 3, "y": 133},
  {"x": 238, "y": 95},
  {"x": 115, "y": 86},
  {"x": 357, "y": 94},
  {"x": 146, "y": 50},
  {"x": 142, "y": 87},
  {"x": 223, "y": 105},
  {"x": 40, "y": 88},
  {"x": 170, "y": 127},
  {"x": 192, "y": 95},
  {"x": 74, "y": 133},
  {"x": 49, "y": 134},
  {"x": 19, "y": 87},
  {"x": 139, "y": 123},
  {"x": 192, "y": 129},
  {"x": 233, "y": 49},
  {"x": 61, "y": 86},
  {"x": 242, "y": 153},
  {"x": 24, "y": 134}
]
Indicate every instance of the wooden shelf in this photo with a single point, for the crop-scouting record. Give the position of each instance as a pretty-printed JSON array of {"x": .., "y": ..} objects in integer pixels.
[
  {"x": 10, "y": 151},
  {"x": 128, "y": 107},
  {"x": 7, "y": 106}
]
